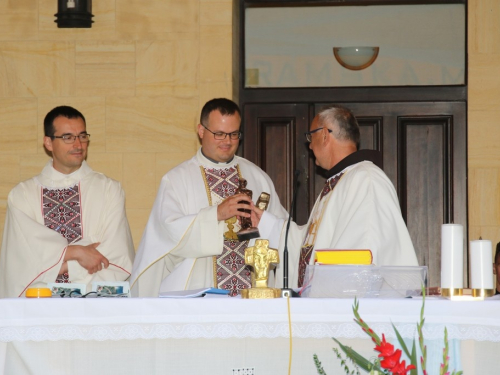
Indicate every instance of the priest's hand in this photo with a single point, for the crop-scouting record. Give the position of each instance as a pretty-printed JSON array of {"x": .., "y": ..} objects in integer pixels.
[
  {"x": 88, "y": 257},
  {"x": 233, "y": 206},
  {"x": 256, "y": 215}
]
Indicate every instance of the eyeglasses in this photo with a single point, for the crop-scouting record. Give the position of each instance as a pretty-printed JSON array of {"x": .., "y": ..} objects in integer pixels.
[
  {"x": 221, "y": 135},
  {"x": 308, "y": 134},
  {"x": 70, "y": 138}
]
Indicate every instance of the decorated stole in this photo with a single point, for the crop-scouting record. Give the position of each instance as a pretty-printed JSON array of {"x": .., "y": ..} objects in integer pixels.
[
  {"x": 61, "y": 211},
  {"x": 317, "y": 216},
  {"x": 230, "y": 271}
]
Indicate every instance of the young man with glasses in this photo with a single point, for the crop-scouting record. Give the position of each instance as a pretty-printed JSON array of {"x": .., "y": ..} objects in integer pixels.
[
  {"x": 67, "y": 224},
  {"x": 357, "y": 209},
  {"x": 190, "y": 240}
]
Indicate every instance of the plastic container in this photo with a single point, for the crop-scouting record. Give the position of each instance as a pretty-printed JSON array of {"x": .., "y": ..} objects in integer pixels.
[{"x": 38, "y": 293}]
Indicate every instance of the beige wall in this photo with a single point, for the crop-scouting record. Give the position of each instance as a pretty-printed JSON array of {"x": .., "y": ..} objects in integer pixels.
[{"x": 141, "y": 74}]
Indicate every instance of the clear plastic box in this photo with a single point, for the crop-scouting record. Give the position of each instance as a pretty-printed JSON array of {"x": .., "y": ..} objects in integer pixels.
[{"x": 361, "y": 281}]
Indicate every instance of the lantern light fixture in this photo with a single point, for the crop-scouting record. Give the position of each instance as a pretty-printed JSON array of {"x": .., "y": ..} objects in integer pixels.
[{"x": 74, "y": 14}]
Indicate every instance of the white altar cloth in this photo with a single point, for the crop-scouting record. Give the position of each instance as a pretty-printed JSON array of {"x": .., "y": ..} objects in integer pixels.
[
  {"x": 171, "y": 328},
  {"x": 101, "y": 319}
]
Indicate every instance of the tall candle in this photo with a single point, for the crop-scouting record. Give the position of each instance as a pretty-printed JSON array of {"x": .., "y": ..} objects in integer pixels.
[
  {"x": 452, "y": 256},
  {"x": 481, "y": 265}
]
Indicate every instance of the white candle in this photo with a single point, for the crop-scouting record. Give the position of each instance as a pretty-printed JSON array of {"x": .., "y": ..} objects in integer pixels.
[
  {"x": 452, "y": 256},
  {"x": 481, "y": 265}
]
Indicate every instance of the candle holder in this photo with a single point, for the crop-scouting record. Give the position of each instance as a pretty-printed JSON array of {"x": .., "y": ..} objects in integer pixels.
[
  {"x": 447, "y": 292},
  {"x": 483, "y": 293}
]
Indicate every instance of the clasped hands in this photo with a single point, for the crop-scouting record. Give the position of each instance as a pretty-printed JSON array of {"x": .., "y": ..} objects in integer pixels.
[
  {"x": 87, "y": 256},
  {"x": 233, "y": 206}
]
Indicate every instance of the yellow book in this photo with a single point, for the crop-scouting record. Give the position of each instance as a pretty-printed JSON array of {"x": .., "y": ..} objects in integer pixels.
[{"x": 330, "y": 256}]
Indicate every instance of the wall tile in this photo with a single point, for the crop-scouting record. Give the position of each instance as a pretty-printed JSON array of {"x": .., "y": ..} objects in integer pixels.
[
  {"x": 36, "y": 69},
  {"x": 18, "y": 128},
  {"x": 18, "y": 20},
  {"x": 215, "y": 53},
  {"x": 484, "y": 139},
  {"x": 105, "y": 67},
  {"x": 167, "y": 67},
  {"x": 484, "y": 81},
  {"x": 154, "y": 124},
  {"x": 139, "y": 179},
  {"x": 484, "y": 196},
  {"x": 141, "y": 19},
  {"x": 216, "y": 13},
  {"x": 105, "y": 52},
  {"x": 484, "y": 26}
]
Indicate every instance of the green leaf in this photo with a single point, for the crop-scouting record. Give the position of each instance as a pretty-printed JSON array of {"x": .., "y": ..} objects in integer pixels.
[
  {"x": 357, "y": 358},
  {"x": 401, "y": 341},
  {"x": 414, "y": 360}
]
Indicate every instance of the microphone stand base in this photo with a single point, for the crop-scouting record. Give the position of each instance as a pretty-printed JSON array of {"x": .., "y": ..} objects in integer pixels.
[{"x": 289, "y": 293}]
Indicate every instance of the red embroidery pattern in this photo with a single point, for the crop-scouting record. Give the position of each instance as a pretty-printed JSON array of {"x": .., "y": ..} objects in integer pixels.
[
  {"x": 62, "y": 213},
  {"x": 305, "y": 257},
  {"x": 64, "y": 278},
  {"x": 306, "y": 251},
  {"x": 222, "y": 182},
  {"x": 329, "y": 185},
  {"x": 231, "y": 272}
]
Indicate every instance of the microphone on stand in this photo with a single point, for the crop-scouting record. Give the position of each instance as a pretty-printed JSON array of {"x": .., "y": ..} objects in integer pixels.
[{"x": 286, "y": 291}]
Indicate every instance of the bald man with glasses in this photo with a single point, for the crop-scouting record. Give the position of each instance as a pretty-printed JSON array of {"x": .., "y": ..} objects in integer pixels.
[
  {"x": 190, "y": 241},
  {"x": 358, "y": 207},
  {"x": 68, "y": 224}
]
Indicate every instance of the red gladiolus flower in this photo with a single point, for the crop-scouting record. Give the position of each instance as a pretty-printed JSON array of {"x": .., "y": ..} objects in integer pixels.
[
  {"x": 391, "y": 361},
  {"x": 401, "y": 369},
  {"x": 386, "y": 349}
]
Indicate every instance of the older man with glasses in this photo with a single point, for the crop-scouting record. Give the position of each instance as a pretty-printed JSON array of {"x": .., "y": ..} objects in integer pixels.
[
  {"x": 190, "y": 240},
  {"x": 358, "y": 207},
  {"x": 68, "y": 224}
]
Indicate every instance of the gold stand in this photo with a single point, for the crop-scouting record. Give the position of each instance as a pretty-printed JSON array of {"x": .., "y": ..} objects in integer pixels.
[
  {"x": 260, "y": 293},
  {"x": 447, "y": 292},
  {"x": 260, "y": 257},
  {"x": 483, "y": 292}
]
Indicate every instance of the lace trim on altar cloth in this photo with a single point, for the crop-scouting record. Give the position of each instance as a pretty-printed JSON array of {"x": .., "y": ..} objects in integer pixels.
[{"x": 239, "y": 330}]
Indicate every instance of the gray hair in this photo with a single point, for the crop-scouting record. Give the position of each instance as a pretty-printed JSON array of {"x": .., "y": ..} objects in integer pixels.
[{"x": 341, "y": 121}]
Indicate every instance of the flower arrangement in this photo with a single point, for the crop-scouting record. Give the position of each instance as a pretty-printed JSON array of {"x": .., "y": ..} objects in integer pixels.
[{"x": 389, "y": 359}]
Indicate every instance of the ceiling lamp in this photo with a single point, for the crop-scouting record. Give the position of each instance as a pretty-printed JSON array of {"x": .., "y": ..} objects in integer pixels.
[{"x": 355, "y": 58}]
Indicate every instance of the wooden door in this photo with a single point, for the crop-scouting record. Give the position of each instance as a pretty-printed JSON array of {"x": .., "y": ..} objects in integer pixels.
[
  {"x": 424, "y": 155},
  {"x": 274, "y": 140}
]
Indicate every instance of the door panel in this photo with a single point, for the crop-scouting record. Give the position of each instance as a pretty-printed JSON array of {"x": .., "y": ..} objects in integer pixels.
[{"x": 274, "y": 140}]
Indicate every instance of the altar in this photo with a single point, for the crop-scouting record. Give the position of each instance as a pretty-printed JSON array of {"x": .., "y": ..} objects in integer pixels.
[{"x": 227, "y": 335}]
